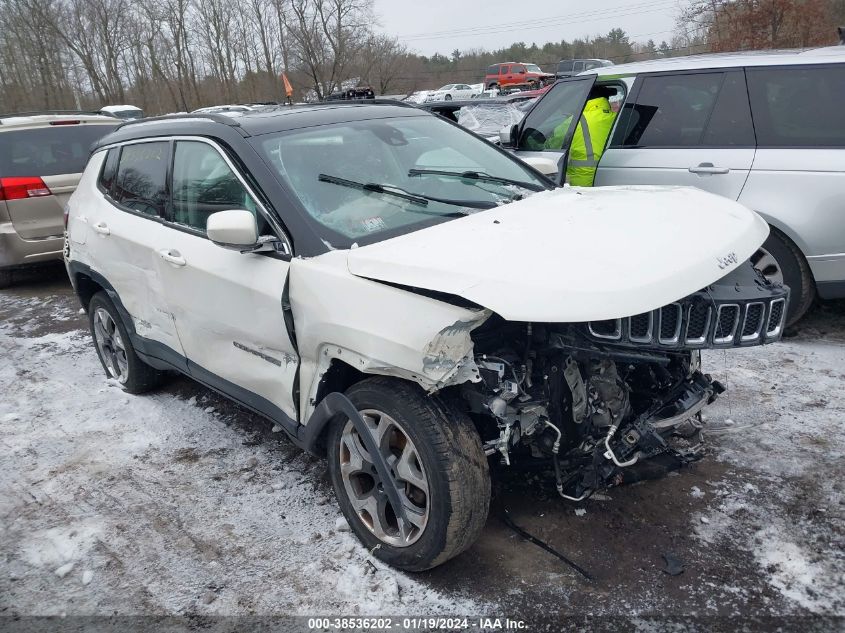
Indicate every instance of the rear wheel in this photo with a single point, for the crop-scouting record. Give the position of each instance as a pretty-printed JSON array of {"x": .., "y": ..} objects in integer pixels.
[
  {"x": 780, "y": 261},
  {"x": 493, "y": 86},
  {"x": 448, "y": 97},
  {"x": 433, "y": 453},
  {"x": 115, "y": 349},
  {"x": 5, "y": 278}
]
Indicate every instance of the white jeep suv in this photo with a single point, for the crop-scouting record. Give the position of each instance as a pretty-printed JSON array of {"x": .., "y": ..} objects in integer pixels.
[{"x": 411, "y": 301}]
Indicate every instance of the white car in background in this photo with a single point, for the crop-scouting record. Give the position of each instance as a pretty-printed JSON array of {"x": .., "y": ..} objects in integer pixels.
[
  {"x": 451, "y": 92},
  {"x": 125, "y": 112},
  {"x": 223, "y": 109}
]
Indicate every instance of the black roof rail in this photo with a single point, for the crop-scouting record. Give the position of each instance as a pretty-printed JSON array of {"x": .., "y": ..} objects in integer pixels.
[
  {"x": 10, "y": 115},
  {"x": 405, "y": 104},
  {"x": 217, "y": 118}
]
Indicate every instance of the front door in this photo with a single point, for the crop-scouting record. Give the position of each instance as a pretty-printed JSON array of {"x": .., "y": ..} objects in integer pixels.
[
  {"x": 228, "y": 306},
  {"x": 691, "y": 128},
  {"x": 548, "y": 128}
]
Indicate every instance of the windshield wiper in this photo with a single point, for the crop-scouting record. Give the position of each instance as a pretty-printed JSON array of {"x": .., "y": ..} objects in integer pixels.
[
  {"x": 375, "y": 188},
  {"x": 416, "y": 198},
  {"x": 477, "y": 175}
]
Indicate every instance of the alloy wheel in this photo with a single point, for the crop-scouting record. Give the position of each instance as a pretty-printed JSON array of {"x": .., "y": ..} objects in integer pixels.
[
  {"x": 110, "y": 344},
  {"x": 365, "y": 489},
  {"x": 766, "y": 263}
]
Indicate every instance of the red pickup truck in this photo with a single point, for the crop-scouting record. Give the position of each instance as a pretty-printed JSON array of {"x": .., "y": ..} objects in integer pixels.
[{"x": 512, "y": 74}]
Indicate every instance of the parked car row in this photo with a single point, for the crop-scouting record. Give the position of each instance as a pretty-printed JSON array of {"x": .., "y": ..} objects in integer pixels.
[{"x": 409, "y": 300}]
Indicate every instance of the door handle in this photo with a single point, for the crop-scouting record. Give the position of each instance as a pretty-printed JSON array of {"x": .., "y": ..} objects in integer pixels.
[
  {"x": 708, "y": 168},
  {"x": 172, "y": 257},
  {"x": 102, "y": 228}
]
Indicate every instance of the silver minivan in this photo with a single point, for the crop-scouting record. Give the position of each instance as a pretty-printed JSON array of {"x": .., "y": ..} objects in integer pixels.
[
  {"x": 766, "y": 129},
  {"x": 42, "y": 155}
]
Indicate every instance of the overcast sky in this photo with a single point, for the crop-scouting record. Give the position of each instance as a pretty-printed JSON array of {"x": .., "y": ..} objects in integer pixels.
[{"x": 430, "y": 26}]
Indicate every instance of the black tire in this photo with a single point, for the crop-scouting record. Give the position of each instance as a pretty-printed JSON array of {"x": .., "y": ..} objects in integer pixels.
[
  {"x": 5, "y": 278},
  {"x": 448, "y": 97},
  {"x": 493, "y": 86},
  {"x": 796, "y": 273},
  {"x": 139, "y": 376},
  {"x": 450, "y": 453}
]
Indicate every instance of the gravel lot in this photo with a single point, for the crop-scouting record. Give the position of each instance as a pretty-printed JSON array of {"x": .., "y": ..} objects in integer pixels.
[{"x": 180, "y": 502}]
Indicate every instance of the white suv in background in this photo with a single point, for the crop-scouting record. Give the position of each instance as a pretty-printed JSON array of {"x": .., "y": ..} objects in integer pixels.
[{"x": 766, "y": 129}]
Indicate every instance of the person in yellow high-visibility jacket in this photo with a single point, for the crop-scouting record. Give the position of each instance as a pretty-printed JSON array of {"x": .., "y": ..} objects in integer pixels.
[{"x": 588, "y": 140}]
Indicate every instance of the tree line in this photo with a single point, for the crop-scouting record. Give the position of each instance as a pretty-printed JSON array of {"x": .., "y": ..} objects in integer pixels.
[{"x": 177, "y": 55}]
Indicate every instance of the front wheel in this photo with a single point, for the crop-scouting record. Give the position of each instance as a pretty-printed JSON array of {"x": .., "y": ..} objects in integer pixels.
[
  {"x": 115, "y": 350},
  {"x": 780, "y": 261},
  {"x": 435, "y": 456}
]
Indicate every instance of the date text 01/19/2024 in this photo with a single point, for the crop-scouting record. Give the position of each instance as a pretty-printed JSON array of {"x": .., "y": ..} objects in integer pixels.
[{"x": 416, "y": 624}]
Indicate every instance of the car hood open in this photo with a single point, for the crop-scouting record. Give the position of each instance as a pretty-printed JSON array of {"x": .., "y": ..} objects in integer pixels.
[{"x": 574, "y": 254}]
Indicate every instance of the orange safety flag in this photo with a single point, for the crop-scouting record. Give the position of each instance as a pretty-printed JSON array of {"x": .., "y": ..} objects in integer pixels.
[{"x": 288, "y": 87}]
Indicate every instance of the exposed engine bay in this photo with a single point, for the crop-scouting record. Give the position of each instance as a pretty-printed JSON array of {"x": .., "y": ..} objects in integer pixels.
[{"x": 615, "y": 401}]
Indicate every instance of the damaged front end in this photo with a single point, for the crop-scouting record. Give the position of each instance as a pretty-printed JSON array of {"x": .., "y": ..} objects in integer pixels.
[{"x": 614, "y": 401}]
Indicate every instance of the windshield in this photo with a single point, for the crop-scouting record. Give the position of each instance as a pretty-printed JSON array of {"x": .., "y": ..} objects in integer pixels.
[
  {"x": 533, "y": 68},
  {"x": 327, "y": 166}
]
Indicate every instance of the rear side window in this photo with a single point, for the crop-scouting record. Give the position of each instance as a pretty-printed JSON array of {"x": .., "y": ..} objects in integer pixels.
[
  {"x": 517, "y": 69},
  {"x": 730, "y": 122},
  {"x": 504, "y": 69},
  {"x": 674, "y": 110},
  {"x": 141, "y": 182},
  {"x": 493, "y": 70},
  {"x": 106, "y": 181},
  {"x": 48, "y": 151},
  {"x": 798, "y": 107},
  {"x": 564, "y": 67}
]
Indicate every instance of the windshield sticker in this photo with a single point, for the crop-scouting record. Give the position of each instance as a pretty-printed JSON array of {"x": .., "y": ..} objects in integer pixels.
[{"x": 375, "y": 223}]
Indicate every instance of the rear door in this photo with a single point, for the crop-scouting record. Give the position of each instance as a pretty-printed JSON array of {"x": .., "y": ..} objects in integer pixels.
[
  {"x": 228, "y": 306},
  {"x": 798, "y": 177},
  {"x": 539, "y": 133},
  {"x": 53, "y": 156},
  {"x": 124, "y": 225},
  {"x": 505, "y": 76},
  {"x": 691, "y": 128}
]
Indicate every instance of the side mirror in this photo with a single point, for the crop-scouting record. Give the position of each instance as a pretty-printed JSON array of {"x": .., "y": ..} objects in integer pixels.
[
  {"x": 235, "y": 229},
  {"x": 545, "y": 166},
  {"x": 508, "y": 136}
]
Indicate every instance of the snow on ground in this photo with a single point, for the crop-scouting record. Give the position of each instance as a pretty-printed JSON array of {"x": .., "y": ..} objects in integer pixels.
[
  {"x": 99, "y": 490},
  {"x": 171, "y": 503},
  {"x": 781, "y": 422}
]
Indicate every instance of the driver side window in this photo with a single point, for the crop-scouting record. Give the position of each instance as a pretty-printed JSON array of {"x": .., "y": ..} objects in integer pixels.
[
  {"x": 548, "y": 125},
  {"x": 203, "y": 183}
]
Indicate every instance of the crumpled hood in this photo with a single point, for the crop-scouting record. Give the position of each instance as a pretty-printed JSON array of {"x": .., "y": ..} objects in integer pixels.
[{"x": 574, "y": 254}]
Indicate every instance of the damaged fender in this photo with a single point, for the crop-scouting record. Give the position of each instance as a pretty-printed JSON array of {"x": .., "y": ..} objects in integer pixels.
[{"x": 375, "y": 328}]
